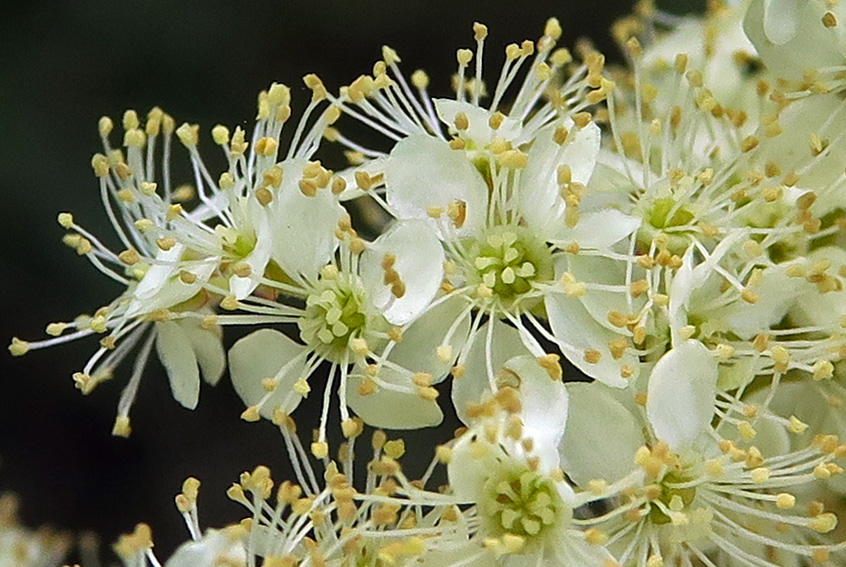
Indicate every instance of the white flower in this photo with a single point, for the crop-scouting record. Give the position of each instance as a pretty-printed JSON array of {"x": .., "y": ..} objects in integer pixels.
[
  {"x": 354, "y": 315},
  {"x": 178, "y": 265},
  {"x": 507, "y": 464},
  {"x": 502, "y": 189},
  {"x": 703, "y": 497}
]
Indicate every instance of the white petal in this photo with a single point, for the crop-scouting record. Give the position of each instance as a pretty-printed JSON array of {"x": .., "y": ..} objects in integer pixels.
[
  {"x": 393, "y": 409},
  {"x": 601, "y": 436},
  {"x": 505, "y": 344},
  {"x": 468, "y": 469},
  {"x": 419, "y": 262},
  {"x": 479, "y": 130},
  {"x": 418, "y": 350},
  {"x": 581, "y": 553},
  {"x": 776, "y": 294},
  {"x": 423, "y": 172},
  {"x": 166, "y": 263},
  {"x": 576, "y": 331},
  {"x": 540, "y": 202},
  {"x": 781, "y": 20},
  {"x": 544, "y": 403},
  {"x": 605, "y": 271},
  {"x": 599, "y": 230},
  {"x": 681, "y": 394},
  {"x": 173, "y": 290},
  {"x": 215, "y": 548},
  {"x": 257, "y": 260},
  {"x": 177, "y": 356},
  {"x": 207, "y": 347},
  {"x": 814, "y": 308},
  {"x": 790, "y": 37},
  {"x": 261, "y": 355},
  {"x": 303, "y": 227}
]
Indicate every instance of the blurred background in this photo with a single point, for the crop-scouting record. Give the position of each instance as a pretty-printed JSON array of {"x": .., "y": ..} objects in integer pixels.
[{"x": 63, "y": 65}]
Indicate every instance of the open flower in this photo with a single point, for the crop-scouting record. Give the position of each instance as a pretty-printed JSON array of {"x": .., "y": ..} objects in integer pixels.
[
  {"x": 727, "y": 495},
  {"x": 507, "y": 464},
  {"x": 355, "y": 312},
  {"x": 500, "y": 187},
  {"x": 179, "y": 265}
]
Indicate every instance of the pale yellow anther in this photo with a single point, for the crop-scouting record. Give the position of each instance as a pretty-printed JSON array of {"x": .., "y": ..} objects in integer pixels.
[
  {"x": 746, "y": 431},
  {"x": 251, "y": 414},
  {"x": 572, "y": 287},
  {"x": 188, "y": 134},
  {"x": 307, "y": 187},
  {"x": 18, "y": 347},
  {"x": 480, "y": 31},
  {"x": 592, "y": 356},
  {"x": 760, "y": 475},
  {"x": 551, "y": 363},
  {"x": 420, "y": 79},
  {"x": 461, "y": 121},
  {"x": 823, "y": 370},
  {"x": 560, "y": 57},
  {"x": 320, "y": 449},
  {"x": 829, "y": 20},
  {"x": 394, "y": 448},
  {"x": 552, "y": 29},
  {"x": 100, "y": 165},
  {"x": 105, "y": 126},
  {"x": 797, "y": 426},
  {"x": 230, "y": 303},
  {"x": 130, "y": 120},
  {"x": 301, "y": 387},
  {"x": 823, "y": 523},
  {"x": 121, "y": 427},
  {"x": 264, "y": 196},
  {"x": 220, "y": 135},
  {"x": 749, "y": 296},
  {"x": 165, "y": 243},
  {"x": 134, "y": 138},
  {"x": 359, "y": 346},
  {"x": 318, "y": 90},
  {"x": 463, "y": 56},
  {"x": 434, "y": 211},
  {"x": 785, "y": 501}
]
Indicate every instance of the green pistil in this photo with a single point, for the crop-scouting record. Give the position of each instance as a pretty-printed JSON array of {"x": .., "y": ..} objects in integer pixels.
[
  {"x": 664, "y": 214},
  {"x": 508, "y": 260},
  {"x": 659, "y": 216},
  {"x": 334, "y": 315},
  {"x": 656, "y": 515},
  {"x": 523, "y": 503}
]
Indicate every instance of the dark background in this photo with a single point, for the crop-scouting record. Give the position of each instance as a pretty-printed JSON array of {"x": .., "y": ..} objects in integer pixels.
[{"x": 62, "y": 66}]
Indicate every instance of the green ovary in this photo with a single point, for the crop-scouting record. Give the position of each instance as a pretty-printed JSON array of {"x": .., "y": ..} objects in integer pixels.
[
  {"x": 334, "y": 315},
  {"x": 668, "y": 492},
  {"x": 508, "y": 260},
  {"x": 521, "y": 502}
]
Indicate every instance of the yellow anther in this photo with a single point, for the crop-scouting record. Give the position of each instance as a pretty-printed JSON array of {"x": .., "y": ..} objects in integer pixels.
[
  {"x": 121, "y": 427},
  {"x": 188, "y": 134},
  {"x": 785, "y": 501},
  {"x": 464, "y": 56},
  {"x": 251, "y": 414}
]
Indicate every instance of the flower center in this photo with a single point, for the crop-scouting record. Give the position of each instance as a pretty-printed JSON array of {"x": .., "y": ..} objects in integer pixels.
[
  {"x": 507, "y": 260},
  {"x": 522, "y": 503},
  {"x": 676, "y": 499},
  {"x": 335, "y": 315},
  {"x": 664, "y": 214}
]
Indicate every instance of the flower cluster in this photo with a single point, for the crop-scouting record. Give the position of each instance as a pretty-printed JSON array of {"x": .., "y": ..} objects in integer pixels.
[{"x": 632, "y": 275}]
